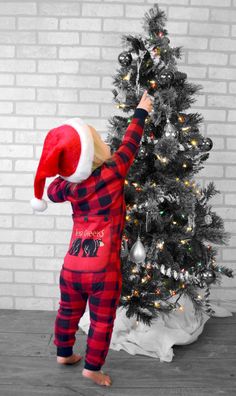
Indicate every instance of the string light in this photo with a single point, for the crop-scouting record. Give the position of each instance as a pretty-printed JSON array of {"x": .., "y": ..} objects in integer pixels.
[
  {"x": 181, "y": 308},
  {"x": 157, "y": 304},
  {"x": 194, "y": 142}
]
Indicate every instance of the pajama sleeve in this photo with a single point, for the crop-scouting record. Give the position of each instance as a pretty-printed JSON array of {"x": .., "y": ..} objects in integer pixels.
[
  {"x": 60, "y": 190},
  {"x": 123, "y": 158}
]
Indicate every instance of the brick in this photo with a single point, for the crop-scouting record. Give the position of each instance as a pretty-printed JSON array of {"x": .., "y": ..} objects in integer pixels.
[
  {"x": 164, "y": 2},
  {"x": 16, "y": 290},
  {"x": 64, "y": 223},
  {"x": 32, "y": 137},
  {"x": 212, "y": 3},
  {"x": 5, "y": 193},
  {"x": 36, "y": 108},
  {"x": 12, "y": 208},
  {"x": 30, "y": 250},
  {"x": 232, "y": 87},
  {"x": 5, "y": 221},
  {"x": 56, "y": 237},
  {"x": 137, "y": 11},
  {"x": 6, "y": 107},
  {"x": 211, "y": 171},
  {"x": 101, "y": 39},
  {"x": 6, "y": 250},
  {"x": 225, "y": 212},
  {"x": 24, "y": 193},
  {"x": 61, "y": 9},
  {"x": 86, "y": 24},
  {"x": 5, "y": 165},
  {"x": 230, "y": 199},
  {"x": 6, "y": 303},
  {"x": 6, "y": 276},
  {"x": 58, "y": 38},
  {"x": 57, "y": 95},
  {"x": 36, "y": 51},
  {"x": 79, "y": 81},
  {"x": 18, "y": 8},
  {"x": 39, "y": 80},
  {"x": 48, "y": 264},
  {"x": 212, "y": 115},
  {"x": 34, "y": 277},
  {"x": 231, "y": 116},
  {"x": 230, "y": 226},
  {"x": 34, "y": 303},
  {"x": 223, "y": 15},
  {"x": 103, "y": 10},
  {"x": 226, "y": 43},
  {"x": 222, "y": 101},
  {"x": 101, "y": 67},
  {"x": 189, "y": 13},
  {"x": 122, "y": 25},
  {"x": 12, "y": 150},
  {"x": 216, "y": 129},
  {"x": 177, "y": 28},
  {"x": 214, "y": 86},
  {"x": 7, "y": 23},
  {"x": 49, "y": 291},
  {"x": 6, "y": 79},
  {"x": 16, "y": 263},
  {"x": 233, "y": 30},
  {"x": 222, "y": 157},
  {"x": 57, "y": 66},
  {"x": 208, "y": 29},
  {"x": 96, "y": 96},
  {"x": 26, "y": 165},
  {"x": 231, "y": 143},
  {"x": 17, "y": 93},
  {"x": 189, "y": 42},
  {"x": 37, "y": 23},
  {"x": 78, "y": 110},
  {"x": 230, "y": 171},
  {"x": 60, "y": 250},
  {"x": 18, "y": 37},
  {"x": 7, "y": 51},
  {"x": 17, "y": 236},
  {"x": 233, "y": 59},
  {"x": 207, "y": 58},
  {"x": 79, "y": 53},
  {"x": 17, "y": 65},
  {"x": 222, "y": 73}
]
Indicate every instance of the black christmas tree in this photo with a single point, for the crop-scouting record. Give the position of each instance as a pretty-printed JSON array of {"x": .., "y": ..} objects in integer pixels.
[{"x": 170, "y": 226}]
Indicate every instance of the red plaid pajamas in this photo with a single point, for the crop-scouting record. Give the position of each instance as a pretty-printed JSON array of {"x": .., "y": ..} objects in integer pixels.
[{"x": 91, "y": 269}]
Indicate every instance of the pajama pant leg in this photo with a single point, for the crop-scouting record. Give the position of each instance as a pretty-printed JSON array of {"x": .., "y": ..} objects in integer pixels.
[
  {"x": 72, "y": 306},
  {"x": 103, "y": 302}
]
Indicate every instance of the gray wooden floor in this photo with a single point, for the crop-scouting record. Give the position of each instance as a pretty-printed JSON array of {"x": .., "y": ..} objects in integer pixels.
[{"x": 28, "y": 363}]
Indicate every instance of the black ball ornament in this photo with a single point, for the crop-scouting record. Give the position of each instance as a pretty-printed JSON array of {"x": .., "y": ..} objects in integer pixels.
[
  {"x": 206, "y": 144},
  {"x": 166, "y": 77},
  {"x": 125, "y": 58}
]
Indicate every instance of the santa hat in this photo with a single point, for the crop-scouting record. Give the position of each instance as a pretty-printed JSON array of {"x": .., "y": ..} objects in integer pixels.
[{"x": 68, "y": 151}]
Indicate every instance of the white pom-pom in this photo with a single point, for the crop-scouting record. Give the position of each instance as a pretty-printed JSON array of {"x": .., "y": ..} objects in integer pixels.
[{"x": 38, "y": 204}]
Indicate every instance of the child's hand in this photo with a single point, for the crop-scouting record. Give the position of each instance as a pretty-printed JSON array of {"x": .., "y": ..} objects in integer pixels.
[{"x": 145, "y": 102}]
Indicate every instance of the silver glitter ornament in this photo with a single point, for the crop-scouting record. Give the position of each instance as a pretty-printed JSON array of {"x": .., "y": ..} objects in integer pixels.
[
  {"x": 170, "y": 130},
  {"x": 208, "y": 219},
  {"x": 208, "y": 276},
  {"x": 137, "y": 252}
]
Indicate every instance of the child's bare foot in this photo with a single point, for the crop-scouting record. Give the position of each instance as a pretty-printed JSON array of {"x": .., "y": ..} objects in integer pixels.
[
  {"x": 70, "y": 359},
  {"x": 97, "y": 376}
]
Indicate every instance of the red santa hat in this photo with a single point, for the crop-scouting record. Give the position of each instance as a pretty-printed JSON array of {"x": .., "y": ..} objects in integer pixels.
[{"x": 68, "y": 151}]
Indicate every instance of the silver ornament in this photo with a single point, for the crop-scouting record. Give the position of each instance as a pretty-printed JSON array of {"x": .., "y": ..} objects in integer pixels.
[
  {"x": 137, "y": 252},
  {"x": 208, "y": 219},
  {"x": 208, "y": 276},
  {"x": 170, "y": 130}
]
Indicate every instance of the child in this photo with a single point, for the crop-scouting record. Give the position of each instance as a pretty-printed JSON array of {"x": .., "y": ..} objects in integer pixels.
[{"x": 91, "y": 269}]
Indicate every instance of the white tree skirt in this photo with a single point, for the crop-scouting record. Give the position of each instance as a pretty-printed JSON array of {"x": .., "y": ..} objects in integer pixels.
[{"x": 176, "y": 328}]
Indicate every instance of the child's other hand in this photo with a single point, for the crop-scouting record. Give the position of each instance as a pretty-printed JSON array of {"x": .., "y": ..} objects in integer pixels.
[{"x": 145, "y": 102}]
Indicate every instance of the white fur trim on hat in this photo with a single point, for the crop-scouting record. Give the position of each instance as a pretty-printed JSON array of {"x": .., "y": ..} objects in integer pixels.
[{"x": 84, "y": 167}]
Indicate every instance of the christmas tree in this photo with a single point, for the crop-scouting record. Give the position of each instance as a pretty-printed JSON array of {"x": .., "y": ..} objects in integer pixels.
[{"x": 170, "y": 226}]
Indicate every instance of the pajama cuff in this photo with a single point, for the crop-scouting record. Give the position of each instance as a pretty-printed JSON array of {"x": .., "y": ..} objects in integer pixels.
[
  {"x": 89, "y": 366},
  {"x": 140, "y": 113},
  {"x": 64, "y": 351}
]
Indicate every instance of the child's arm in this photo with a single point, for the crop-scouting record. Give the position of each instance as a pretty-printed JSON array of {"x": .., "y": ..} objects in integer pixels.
[
  {"x": 60, "y": 190},
  {"x": 123, "y": 158}
]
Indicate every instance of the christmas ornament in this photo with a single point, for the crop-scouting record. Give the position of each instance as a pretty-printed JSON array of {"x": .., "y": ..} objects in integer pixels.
[
  {"x": 137, "y": 252},
  {"x": 206, "y": 144},
  {"x": 208, "y": 219},
  {"x": 169, "y": 130},
  {"x": 125, "y": 58},
  {"x": 208, "y": 276},
  {"x": 166, "y": 77}
]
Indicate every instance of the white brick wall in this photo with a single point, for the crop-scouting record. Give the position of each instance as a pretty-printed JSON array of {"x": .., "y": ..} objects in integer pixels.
[{"x": 57, "y": 59}]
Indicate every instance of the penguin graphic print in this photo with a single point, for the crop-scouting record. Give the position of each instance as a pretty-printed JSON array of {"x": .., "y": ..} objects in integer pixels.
[{"x": 90, "y": 244}]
